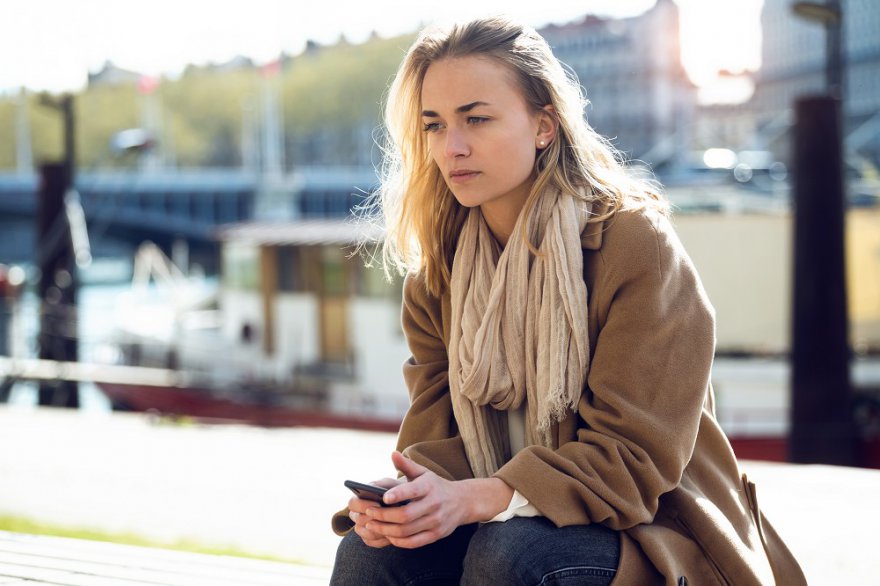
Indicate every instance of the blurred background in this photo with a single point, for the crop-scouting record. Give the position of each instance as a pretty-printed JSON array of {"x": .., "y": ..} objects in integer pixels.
[{"x": 178, "y": 183}]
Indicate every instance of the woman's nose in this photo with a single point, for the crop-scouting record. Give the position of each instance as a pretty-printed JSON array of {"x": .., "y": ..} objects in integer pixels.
[{"x": 456, "y": 145}]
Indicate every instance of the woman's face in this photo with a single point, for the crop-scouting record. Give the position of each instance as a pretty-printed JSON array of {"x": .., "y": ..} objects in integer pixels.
[{"x": 481, "y": 132}]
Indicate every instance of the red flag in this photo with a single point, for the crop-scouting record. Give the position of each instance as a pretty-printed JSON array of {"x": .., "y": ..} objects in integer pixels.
[{"x": 147, "y": 85}]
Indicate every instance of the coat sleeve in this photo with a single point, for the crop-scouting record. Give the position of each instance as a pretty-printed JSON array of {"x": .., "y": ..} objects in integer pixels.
[
  {"x": 649, "y": 373},
  {"x": 429, "y": 434}
]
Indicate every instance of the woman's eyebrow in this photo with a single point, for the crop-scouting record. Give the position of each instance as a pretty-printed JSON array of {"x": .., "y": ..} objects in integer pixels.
[{"x": 459, "y": 110}]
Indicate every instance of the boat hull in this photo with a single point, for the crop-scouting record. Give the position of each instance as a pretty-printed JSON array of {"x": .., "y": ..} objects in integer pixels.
[{"x": 207, "y": 405}]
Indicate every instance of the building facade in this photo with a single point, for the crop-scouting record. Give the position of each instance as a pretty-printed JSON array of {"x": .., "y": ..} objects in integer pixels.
[
  {"x": 641, "y": 97},
  {"x": 793, "y": 65}
]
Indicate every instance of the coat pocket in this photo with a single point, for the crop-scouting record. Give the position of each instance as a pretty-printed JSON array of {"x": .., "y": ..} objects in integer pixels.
[{"x": 716, "y": 569}]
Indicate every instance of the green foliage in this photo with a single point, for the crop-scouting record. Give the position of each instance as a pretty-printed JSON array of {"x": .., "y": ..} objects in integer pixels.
[
  {"x": 47, "y": 132},
  {"x": 100, "y": 113},
  {"x": 7, "y": 133},
  {"x": 332, "y": 89},
  {"x": 341, "y": 86}
]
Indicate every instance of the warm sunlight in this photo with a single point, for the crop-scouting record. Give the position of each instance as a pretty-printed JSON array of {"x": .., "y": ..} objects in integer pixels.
[
  {"x": 716, "y": 36},
  {"x": 50, "y": 54}
]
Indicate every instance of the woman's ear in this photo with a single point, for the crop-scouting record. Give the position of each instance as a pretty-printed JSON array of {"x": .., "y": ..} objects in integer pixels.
[{"x": 548, "y": 125}]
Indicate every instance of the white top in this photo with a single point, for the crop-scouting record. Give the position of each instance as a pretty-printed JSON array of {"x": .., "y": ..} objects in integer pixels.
[{"x": 519, "y": 506}]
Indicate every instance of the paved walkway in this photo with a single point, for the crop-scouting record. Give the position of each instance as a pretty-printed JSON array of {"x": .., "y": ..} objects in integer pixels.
[{"x": 273, "y": 491}]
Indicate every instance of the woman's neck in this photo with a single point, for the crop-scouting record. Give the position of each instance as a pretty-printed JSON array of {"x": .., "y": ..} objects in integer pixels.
[
  {"x": 501, "y": 214},
  {"x": 500, "y": 222}
]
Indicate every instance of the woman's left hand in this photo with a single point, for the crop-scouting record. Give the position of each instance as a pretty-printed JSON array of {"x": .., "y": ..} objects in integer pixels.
[{"x": 437, "y": 506}]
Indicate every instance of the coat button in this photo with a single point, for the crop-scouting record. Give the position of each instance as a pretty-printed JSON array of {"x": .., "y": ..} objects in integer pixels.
[{"x": 682, "y": 581}]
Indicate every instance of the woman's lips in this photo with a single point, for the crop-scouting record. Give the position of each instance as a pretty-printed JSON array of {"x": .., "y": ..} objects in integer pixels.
[{"x": 462, "y": 176}]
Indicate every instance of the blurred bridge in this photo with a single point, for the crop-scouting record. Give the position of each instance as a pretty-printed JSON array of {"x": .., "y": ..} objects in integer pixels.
[{"x": 135, "y": 205}]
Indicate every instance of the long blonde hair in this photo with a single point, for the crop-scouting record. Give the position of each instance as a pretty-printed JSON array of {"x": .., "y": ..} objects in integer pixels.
[{"x": 422, "y": 217}]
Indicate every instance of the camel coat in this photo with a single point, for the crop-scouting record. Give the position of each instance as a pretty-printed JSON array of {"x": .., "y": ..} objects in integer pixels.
[{"x": 644, "y": 453}]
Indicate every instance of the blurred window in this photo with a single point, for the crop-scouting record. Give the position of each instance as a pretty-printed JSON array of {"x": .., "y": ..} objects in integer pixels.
[
  {"x": 241, "y": 266},
  {"x": 290, "y": 270},
  {"x": 333, "y": 273}
]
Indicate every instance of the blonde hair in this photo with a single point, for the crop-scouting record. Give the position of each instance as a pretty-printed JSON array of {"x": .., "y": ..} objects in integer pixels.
[{"x": 422, "y": 217}]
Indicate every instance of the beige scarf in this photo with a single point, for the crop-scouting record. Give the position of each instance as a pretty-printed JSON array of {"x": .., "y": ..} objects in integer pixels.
[{"x": 519, "y": 328}]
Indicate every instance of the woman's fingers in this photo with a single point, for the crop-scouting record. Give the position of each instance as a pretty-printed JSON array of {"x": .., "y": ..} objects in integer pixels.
[
  {"x": 417, "y": 488},
  {"x": 417, "y": 540},
  {"x": 387, "y": 482},
  {"x": 369, "y": 537},
  {"x": 409, "y": 468},
  {"x": 418, "y": 525}
]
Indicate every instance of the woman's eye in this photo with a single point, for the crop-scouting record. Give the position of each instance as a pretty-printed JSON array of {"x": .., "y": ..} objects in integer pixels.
[
  {"x": 431, "y": 126},
  {"x": 476, "y": 120}
]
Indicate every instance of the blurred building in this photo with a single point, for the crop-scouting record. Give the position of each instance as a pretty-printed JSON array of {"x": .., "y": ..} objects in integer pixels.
[
  {"x": 793, "y": 65},
  {"x": 110, "y": 75},
  {"x": 642, "y": 98},
  {"x": 729, "y": 125}
]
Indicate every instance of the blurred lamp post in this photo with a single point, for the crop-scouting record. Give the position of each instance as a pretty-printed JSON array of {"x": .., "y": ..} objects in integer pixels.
[
  {"x": 830, "y": 16},
  {"x": 56, "y": 260},
  {"x": 822, "y": 424}
]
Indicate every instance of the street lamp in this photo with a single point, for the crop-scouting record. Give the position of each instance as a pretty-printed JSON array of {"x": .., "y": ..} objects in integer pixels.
[{"x": 829, "y": 15}]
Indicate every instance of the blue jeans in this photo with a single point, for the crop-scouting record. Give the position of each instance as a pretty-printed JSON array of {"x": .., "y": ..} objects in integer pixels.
[{"x": 523, "y": 550}]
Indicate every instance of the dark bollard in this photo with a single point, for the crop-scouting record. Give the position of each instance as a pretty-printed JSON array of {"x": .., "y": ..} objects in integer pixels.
[
  {"x": 822, "y": 424},
  {"x": 56, "y": 288},
  {"x": 5, "y": 312}
]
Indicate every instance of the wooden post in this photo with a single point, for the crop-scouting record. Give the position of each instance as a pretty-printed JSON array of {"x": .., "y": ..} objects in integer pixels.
[
  {"x": 56, "y": 287},
  {"x": 822, "y": 427},
  {"x": 268, "y": 294}
]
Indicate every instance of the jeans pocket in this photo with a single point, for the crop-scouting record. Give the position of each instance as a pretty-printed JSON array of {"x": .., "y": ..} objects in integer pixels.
[{"x": 580, "y": 575}]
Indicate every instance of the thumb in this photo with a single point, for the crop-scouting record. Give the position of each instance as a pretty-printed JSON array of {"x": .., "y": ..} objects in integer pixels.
[{"x": 410, "y": 469}]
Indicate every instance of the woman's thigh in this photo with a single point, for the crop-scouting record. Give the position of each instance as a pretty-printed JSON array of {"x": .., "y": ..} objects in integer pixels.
[
  {"x": 532, "y": 551},
  {"x": 434, "y": 564}
]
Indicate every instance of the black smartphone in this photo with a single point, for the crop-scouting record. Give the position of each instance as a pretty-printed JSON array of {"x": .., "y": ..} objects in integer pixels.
[{"x": 370, "y": 492}]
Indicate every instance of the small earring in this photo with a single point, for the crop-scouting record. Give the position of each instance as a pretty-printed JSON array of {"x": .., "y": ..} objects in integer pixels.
[{"x": 541, "y": 143}]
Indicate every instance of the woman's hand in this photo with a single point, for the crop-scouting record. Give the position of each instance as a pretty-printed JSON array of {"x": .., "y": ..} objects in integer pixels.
[
  {"x": 357, "y": 508},
  {"x": 437, "y": 506}
]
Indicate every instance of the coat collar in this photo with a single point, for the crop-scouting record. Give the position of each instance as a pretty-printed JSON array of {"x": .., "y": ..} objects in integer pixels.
[{"x": 591, "y": 237}]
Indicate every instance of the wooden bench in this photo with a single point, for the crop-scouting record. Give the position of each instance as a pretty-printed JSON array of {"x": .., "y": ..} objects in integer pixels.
[{"x": 37, "y": 559}]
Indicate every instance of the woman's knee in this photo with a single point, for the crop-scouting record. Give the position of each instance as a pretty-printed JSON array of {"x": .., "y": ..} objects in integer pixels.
[
  {"x": 534, "y": 551},
  {"x": 436, "y": 564},
  {"x": 492, "y": 556},
  {"x": 355, "y": 560}
]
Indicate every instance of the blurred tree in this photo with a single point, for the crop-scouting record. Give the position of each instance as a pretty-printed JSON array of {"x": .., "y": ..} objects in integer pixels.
[
  {"x": 330, "y": 96},
  {"x": 7, "y": 133},
  {"x": 47, "y": 132},
  {"x": 101, "y": 112}
]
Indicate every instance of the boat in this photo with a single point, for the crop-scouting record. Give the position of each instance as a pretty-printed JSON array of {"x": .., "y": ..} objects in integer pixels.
[{"x": 296, "y": 332}]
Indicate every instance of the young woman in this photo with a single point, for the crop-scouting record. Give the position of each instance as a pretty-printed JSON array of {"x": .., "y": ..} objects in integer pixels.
[{"x": 561, "y": 427}]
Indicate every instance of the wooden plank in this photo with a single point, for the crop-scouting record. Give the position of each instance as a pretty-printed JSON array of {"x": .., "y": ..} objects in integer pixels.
[
  {"x": 103, "y": 552},
  {"x": 70, "y": 562}
]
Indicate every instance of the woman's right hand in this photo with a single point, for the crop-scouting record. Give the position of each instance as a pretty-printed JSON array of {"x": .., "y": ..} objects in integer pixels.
[{"x": 357, "y": 508}]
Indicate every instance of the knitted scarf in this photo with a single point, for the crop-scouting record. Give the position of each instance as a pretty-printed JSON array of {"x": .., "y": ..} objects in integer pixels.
[{"x": 519, "y": 327}]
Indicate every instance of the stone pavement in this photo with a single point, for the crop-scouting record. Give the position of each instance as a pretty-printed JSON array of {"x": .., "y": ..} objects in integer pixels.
[{"x": 272, "y": 492}]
